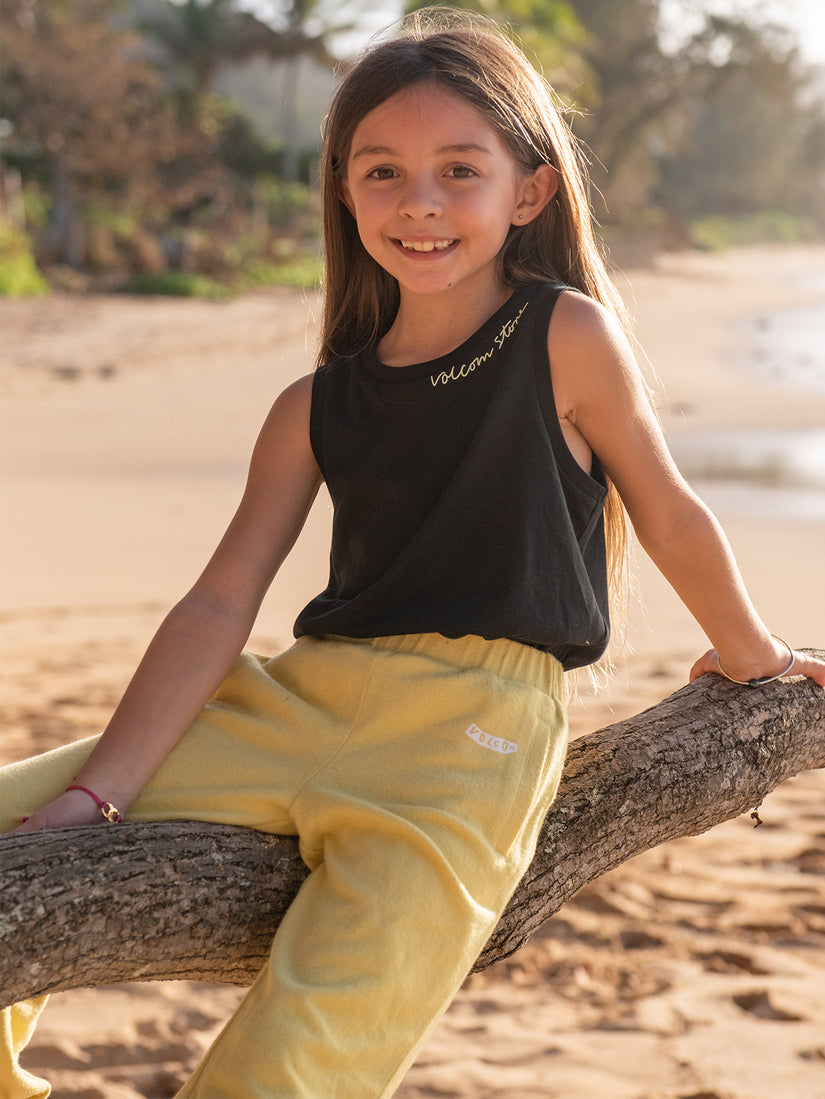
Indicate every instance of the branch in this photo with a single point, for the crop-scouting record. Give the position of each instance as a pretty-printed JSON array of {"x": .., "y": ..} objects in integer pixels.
[{"x": 83, "y": 907}]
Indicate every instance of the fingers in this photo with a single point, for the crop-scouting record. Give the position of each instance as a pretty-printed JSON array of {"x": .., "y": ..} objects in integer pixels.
[
  {"x": 65, "y": 811},
  {"x": 31, "y": 824},
  {"x": 705, "y": 663},
  {"x": 809, "y": 666}
]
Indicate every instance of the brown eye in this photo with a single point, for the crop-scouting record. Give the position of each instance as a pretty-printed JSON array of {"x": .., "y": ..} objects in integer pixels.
[{"x": 382, "y": 173}]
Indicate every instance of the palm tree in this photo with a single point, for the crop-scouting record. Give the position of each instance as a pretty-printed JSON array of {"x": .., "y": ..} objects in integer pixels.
[{"x": 198, "y": 38}]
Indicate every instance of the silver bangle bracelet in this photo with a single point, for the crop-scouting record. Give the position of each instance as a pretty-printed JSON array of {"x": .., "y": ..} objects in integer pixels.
[{"x": 767, "y": 679}]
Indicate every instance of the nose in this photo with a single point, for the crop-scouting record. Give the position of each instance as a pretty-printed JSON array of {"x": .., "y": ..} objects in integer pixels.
[{"x": 420, "y": 198}]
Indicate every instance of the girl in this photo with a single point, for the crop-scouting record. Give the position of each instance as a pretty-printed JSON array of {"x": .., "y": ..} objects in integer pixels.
[{"x": 475, "y": 411}]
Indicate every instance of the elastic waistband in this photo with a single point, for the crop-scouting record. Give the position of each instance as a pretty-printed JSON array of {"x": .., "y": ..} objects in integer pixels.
[{"x": 510, "y": 659}]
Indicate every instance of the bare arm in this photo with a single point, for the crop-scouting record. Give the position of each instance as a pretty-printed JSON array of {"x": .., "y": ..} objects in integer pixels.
[
  {"x": 201, "y": 636},
  {"x": 603, "y": 405}
]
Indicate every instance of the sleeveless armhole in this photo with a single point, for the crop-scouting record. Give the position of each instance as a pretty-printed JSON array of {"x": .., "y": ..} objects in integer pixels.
[
  {"x": 592, "y": 485},
  {"x": 316, "y": 416}
]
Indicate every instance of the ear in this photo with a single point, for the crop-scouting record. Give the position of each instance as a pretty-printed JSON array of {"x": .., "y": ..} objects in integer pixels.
[{"x": 535, "y": 192}]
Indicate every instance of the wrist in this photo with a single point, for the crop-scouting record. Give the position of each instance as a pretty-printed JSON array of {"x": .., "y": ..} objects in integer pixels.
[
  {"x": 777, "y": 662},
  {"x": 106, "y": 786},
  {"x": 107, "y": 809}
]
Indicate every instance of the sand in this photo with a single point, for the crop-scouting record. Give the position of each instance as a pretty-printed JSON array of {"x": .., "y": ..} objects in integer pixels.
[{"x": 696, "y": 971}]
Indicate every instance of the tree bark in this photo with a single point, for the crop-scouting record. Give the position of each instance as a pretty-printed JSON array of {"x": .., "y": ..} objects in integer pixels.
[{"x": 83, "y": 907}]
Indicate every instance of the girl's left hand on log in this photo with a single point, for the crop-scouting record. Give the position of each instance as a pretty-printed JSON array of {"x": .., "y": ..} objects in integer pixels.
[{"x": 803, "y": 664}]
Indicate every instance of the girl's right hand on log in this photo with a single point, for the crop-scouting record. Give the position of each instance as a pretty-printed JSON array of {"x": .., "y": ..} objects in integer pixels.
[{"x": 71, "y": 809}]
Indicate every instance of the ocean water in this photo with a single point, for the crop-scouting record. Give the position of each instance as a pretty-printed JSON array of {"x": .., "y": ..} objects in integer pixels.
[
  {"x": 770, "y": 472},
  {"x": 789, "y": 346},
  {"x": 770, "y": 459}
]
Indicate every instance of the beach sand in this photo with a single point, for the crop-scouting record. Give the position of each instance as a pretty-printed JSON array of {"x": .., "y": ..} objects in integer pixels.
[{"x": 695, "y": 971}]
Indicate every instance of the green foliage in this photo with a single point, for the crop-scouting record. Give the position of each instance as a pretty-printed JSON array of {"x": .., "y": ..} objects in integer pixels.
[
  {"x": 714, "y": 234},
  {"x": 549, "y": 30},
  {"x": 748, "y": 132},
  {"x": 180, "y": 284},
  {"x": 122, "y": 222},
  {"x": 89, "y": 113},
  {"x": 19, "y": 276},
  {"x": 36, "y": 205},
  {"x": 289, "y": 207},
  {"x": 244, "y": 151},
  {"x": 131, "y": 160},
  {"x": 302, "y": 272}
]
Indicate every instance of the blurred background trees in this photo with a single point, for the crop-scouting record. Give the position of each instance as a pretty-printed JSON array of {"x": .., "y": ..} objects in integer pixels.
[
  {"x": 174, "y": 143},
  {"x": 703, "y": 134}
]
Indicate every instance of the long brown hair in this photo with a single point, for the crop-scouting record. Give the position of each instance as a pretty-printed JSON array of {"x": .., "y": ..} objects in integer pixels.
[{"x": 475, "y": 59}]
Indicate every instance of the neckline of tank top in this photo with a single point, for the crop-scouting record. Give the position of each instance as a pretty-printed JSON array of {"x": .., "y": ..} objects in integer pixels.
[{"x": 494, "y": 324}]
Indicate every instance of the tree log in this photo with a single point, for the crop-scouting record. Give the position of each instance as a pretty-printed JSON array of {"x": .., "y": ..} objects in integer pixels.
[{"x": 83, "y": 907}]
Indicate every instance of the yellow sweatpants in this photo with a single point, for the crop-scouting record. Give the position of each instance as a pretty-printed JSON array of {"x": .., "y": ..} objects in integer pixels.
[{"x": 416, "y": 772}]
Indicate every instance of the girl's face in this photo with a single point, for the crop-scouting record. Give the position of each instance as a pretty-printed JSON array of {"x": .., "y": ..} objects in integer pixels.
[{"x": 434, "y": 191}]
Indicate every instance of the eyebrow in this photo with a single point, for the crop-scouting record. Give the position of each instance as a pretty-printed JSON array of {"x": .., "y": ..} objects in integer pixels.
[{"x": 460, "y": 147}]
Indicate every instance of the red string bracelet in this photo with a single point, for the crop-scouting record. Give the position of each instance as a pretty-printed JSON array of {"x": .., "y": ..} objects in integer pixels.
[{"x": 109, "y": 811}]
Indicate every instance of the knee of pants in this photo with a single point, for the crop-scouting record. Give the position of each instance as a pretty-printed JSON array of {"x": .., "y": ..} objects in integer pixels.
[
  {"x": 386, "y": 879},
  {"x": 373, "y": 948}
]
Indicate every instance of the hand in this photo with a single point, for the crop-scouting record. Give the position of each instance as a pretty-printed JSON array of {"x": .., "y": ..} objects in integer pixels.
[
  {"x": 803, "y": 664},
  {"x": 69, "y": 810}
]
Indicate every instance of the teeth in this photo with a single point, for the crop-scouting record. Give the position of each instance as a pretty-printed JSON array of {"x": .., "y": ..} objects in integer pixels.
[{"x": 426, "y": 245}]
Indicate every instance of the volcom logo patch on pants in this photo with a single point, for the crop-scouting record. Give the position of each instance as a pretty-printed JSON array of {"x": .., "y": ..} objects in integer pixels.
[{"x": 494, "y": 743}]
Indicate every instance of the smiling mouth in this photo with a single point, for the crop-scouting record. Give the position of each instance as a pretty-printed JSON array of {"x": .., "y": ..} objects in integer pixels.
[{"x": 425, "y": 245}]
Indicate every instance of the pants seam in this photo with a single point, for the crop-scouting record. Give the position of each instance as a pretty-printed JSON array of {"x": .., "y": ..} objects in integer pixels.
[{"x": 345, "y": 740}]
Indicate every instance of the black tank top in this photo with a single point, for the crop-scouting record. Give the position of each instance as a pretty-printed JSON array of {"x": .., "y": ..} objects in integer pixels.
[{"x": 458, "y": 508}]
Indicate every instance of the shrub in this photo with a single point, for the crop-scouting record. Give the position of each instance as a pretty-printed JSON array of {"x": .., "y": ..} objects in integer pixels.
[
  {"x": 762, "y": 227},
  {"x": 301, "y": 272},
  {"x": 181, "y": 284},
  {"x": 19, "y": 276}
]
